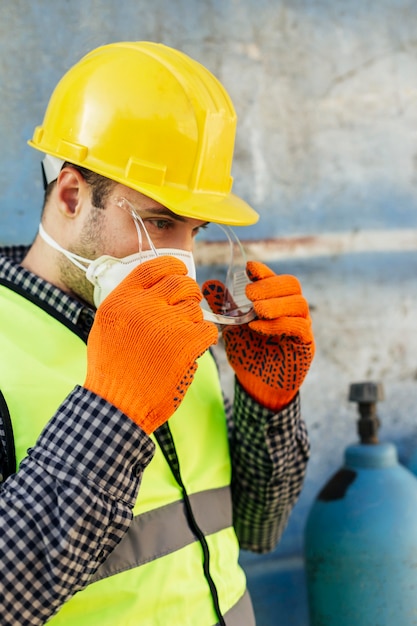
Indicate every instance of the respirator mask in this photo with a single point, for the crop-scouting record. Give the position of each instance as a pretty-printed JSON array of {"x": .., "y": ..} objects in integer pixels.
[{"x": 106, "y": 272}]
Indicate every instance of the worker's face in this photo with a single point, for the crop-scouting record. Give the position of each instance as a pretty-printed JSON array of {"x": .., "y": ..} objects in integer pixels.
[{"x": 126, "y": 224}]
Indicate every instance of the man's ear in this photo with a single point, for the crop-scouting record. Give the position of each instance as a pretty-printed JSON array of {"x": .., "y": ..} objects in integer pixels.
[{"x": 71, "y": 191}]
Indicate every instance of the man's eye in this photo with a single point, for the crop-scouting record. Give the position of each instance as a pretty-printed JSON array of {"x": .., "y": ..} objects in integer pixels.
[{"x": 161, "y": 224}]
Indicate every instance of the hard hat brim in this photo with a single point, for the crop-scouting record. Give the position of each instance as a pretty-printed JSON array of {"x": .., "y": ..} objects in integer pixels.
[{"x": 222, "y": 209}]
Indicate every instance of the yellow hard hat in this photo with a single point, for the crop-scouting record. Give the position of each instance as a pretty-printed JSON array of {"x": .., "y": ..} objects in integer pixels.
[{"x": 149, "y": 117}]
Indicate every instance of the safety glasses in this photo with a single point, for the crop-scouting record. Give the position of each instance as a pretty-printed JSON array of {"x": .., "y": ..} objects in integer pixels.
[{"x": 229, "y": 267}]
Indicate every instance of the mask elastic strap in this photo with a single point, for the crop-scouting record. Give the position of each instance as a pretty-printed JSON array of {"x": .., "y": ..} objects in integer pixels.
[{"x": 79, "y": 261}]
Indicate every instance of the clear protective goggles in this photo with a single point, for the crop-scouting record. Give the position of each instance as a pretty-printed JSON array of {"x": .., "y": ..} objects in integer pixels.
[{"x": 219, "y": 255}]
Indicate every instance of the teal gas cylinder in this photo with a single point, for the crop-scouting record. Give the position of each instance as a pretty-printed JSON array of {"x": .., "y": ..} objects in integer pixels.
[{"x": 360, "y": 544}]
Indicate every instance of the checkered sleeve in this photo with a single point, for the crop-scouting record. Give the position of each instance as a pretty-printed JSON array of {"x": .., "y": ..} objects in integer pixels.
[
  {"x": 269, "y": 457},
  {"x": 68, "y": 506}
]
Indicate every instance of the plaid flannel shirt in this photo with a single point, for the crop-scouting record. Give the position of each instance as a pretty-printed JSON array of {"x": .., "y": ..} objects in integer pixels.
[{"x": 75, "y": 490}]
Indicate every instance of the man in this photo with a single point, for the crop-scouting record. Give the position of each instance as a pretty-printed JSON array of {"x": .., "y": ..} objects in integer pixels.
[{"x": 139, "y": 140}]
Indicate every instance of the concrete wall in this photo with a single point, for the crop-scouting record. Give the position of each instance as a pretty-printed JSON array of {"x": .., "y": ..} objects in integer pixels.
[{"x": 326, "y": 96}]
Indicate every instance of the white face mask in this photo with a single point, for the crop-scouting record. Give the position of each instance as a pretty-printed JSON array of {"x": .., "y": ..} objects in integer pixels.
[{"x": 106, "y": 272}]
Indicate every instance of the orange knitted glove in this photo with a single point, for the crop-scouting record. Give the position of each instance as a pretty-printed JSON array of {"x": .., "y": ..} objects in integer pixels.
[
  {"x": 146, "y": 337},
  {"x": 272, "y": 354}
]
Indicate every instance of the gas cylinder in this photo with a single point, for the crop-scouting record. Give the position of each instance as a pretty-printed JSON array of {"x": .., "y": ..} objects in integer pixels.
[{"x": 360, "y": 541}]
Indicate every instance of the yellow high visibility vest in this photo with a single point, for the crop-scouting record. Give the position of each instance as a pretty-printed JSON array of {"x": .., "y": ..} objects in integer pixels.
[{"x": 156, "y": 574}]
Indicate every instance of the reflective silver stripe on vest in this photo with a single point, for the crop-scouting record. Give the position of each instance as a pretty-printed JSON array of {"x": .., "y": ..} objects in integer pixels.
[
  {"x": 165, "y": 530},
  {"x": 242, "y": 613}
]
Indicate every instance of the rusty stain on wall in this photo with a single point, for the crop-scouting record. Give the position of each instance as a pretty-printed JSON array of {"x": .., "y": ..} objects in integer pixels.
[{"x": 329, "y": 244}]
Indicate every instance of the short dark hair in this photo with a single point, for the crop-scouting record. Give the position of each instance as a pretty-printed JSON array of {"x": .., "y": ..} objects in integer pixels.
[{"x": 100, "y": 185}]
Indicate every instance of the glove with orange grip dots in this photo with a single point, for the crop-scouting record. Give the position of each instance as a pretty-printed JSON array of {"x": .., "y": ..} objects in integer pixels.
[
  {"x": 145, "y": 340},
  {"x": 272, "y": 354}
]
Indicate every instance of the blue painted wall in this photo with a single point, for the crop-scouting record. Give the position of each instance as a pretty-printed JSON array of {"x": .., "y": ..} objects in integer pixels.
[{"x": 326, "y": 95}]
